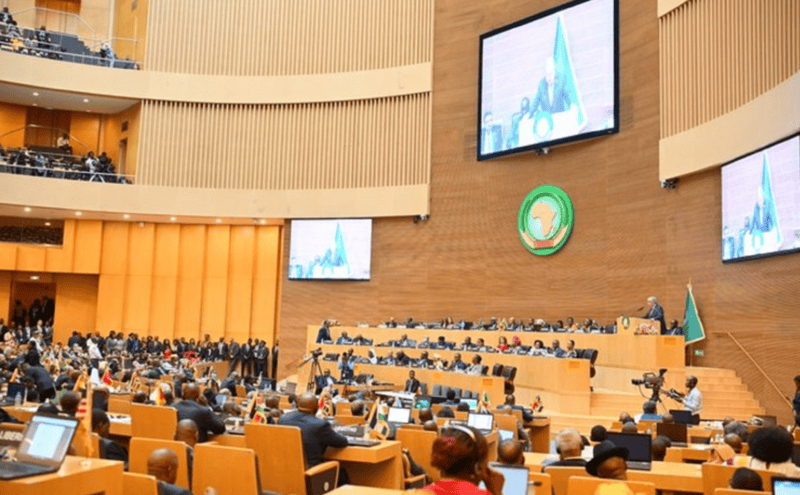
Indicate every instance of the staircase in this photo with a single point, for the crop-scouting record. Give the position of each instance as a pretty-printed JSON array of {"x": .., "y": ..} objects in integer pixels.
[{"x": 724, "y": 394}]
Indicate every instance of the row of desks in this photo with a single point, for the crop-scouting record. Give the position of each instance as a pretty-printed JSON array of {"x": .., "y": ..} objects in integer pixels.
[{"x": 621, "y": 350}]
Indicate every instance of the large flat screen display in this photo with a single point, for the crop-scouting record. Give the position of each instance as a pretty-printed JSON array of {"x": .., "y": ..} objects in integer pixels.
[
  {"x": 330, "y": 249},
  {"x": 549, "y": 79},
  {"x": 761, "y": 202}
]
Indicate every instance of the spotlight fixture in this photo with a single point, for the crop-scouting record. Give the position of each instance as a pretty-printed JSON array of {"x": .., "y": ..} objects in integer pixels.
[
  {"x": 218, "y": 220},
  {"x": 78, "y": 213},
  {"x": 35, "y": 93},
  {"x": 27, "y": 209},
  {"x": 173, "y": 219},
  {"x": 47, "y": 224},
  {"x": 126, "y": 216}
]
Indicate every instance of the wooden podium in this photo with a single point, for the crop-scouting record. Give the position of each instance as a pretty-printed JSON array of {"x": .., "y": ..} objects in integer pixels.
[{"x": 631, "y": 325}]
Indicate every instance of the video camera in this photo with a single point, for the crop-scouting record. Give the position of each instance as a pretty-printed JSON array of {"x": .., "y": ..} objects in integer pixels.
[
  {"x": 652, "y": 381},
  {"x": 316, "y": 353}
]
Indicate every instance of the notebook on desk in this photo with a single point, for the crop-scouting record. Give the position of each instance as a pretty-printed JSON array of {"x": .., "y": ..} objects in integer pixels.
[
  {"x": 43, "y": 448},
  {"x": 638, "y": 445},
  {"x": 515, "y": 478}
]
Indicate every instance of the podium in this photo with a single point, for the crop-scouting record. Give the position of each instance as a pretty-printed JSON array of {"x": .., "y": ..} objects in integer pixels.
[{"x": 631, "y": 325}]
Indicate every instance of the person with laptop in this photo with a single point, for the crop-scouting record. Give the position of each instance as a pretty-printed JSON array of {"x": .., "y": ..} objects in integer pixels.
[{"x": 461, "y": 454}]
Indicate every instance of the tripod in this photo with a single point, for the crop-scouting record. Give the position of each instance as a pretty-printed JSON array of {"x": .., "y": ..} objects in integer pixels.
[{"x": 316, "y": 370}]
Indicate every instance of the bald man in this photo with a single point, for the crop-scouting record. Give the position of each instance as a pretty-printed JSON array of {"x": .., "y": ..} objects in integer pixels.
[
  {"x": 205, "y": 419},
  {"x": 317, "y": 433},
  {"x": 510, "y": 452},
  {"x": 569, "y": 446},
  {"x": 163, "y": 464},
  {"x": 187, "y": 433}
]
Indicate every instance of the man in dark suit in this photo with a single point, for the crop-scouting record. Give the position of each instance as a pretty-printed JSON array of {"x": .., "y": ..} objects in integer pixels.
[
  {"x": 163, "y": 464},
  {"x": 324, "y": 333},
  {"x": 44, "y": 382},
  {"x": 412, "y": 384},
  {"x": 656, "y": 312},
  {"x": 674, "y": 329},
  {"x": 261, "y": 357},
  {"x": 247, "y": 358},
  {"x": 317, "y": 434},
  {"x": 109, "y": 449},
  {"x": 203, "y": 417},
  {"x": 234, "y": 354},
  {"x": 569, "y": 446}
]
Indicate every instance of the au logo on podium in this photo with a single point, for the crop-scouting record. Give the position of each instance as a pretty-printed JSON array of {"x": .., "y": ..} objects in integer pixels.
[{"x": 545, "y": 220}]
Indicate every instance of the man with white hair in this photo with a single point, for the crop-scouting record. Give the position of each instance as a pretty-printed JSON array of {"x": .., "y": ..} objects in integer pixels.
[
  {"x": 569, "y": 446},
  {"x": 656, "y": 312}
]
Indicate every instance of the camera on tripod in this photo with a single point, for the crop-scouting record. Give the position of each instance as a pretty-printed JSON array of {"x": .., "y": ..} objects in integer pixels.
[
  {"x": 316, "y": 353},
  {"x": 652, "y": 381}
]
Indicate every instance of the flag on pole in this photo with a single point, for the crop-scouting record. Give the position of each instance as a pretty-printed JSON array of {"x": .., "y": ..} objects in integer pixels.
[
  {"x": 567, "y": 73},
  {"x": 693, "y": 330},
  {"x": 485, "y": 404},
  {"x": 261, "y": 412}
]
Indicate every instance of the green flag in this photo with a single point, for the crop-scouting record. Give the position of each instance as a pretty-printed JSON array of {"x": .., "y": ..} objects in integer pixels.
[{"x": 693, "y": 330}]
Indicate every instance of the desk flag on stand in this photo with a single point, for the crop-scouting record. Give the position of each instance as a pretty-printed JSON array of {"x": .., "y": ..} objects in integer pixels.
[
  {"x": 693, "y": 330},
  {"x": 107, "y": 378},
  {"x": 485, "y": 404}
]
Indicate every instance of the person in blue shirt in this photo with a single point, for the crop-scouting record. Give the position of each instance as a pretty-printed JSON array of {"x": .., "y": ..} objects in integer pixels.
[{"x": 649, "y": 412}]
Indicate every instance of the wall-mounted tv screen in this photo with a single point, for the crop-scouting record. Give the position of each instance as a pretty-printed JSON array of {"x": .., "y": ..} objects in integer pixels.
[
  {"x": 330, "y": 249},
  {"x": 549, "y": 79},
  {"x": 761, "y": 202}
]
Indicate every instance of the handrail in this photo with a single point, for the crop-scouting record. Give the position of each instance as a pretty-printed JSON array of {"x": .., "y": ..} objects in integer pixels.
[
  {"x": 37, "y": 126},
  {"x": 110, "y": 62},
  {"x": 759, "y": 368},
  {"x": 91, "y": 175},
  {"x": 60, "y": 13}
]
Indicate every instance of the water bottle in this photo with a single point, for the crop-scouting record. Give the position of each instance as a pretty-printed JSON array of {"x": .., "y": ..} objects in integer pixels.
[{"x": 18, "y": 400}]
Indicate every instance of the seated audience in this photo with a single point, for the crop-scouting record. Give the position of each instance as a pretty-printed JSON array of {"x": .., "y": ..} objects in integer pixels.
[
  {"x": 108, "y": 448},
  {"x": 649, "y": 412},
  {"x": 569, "y": 447},
  {"x": 461, "y": 455},
  {"x": 659, "y": 446},
  {"x": 163, "y": 464},
  {"x": 188, "y": 433},
  {"x": 598, "y": 433},
  {"x": 609, "y": 461},
  {"x": 771, "y": 449},
  {"x": 189, "y": 408},
  {"x": 746, "y": 479},
  {"x": 510, "y": 452},
  {"x": 446, "y": 412}
]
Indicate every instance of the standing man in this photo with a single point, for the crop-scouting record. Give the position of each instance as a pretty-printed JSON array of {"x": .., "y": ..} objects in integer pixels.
[
  {"x": 275, "y": 362},
  {"x": 796, "y": 400},
  {"x": 694, "y": 399},
  {"x": 261, "y": 356},
  {"x": 412, "y": 384},
  {"x": 234, "y": 354},
  {"x": 656, "y": 312},
  {"x": 247, "y": 358}
]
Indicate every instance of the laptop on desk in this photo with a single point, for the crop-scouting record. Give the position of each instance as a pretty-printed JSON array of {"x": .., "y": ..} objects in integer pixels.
[
  {"x": 515, "y": 478},
  {"x": 638, "y": 445},
  {"x": 481, "y": 422},
  {"x": 685, "y": 417},
  {"x": 398, "y": 416},
  {"x": 785, "y": 486},
  {"x": 11, "y": 394},
  {"x": 677, "y": 433},
  {"x": 43, "y": 448}
]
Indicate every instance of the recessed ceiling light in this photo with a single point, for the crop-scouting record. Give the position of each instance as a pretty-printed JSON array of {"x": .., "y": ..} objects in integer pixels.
[
  {"x": 87, "y": 111},
  {"x": 34, "y": 277},
  {"x": 78, "y": 213},
  {"x": 47, "y": 224},
  {"x": 35, "y": 93},
  {"x": 173, "y": 219},
  {"x": 218, "y": 220},
  {"x": 27, "y": 209},
  {"x": 126, "y": 216},
  {"x": 86, "y": 100},
  {"x": 262, "y": 222},
  {"x": 36, "y": 104}
]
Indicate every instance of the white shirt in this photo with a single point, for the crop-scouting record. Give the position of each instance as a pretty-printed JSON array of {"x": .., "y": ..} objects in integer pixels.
[{"x": 694, "y": 401}]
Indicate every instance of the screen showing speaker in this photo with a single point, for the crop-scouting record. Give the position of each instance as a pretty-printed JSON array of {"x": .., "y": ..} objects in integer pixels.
[
  {"x": 549, "y": 79},
  {"x": 761, "y": 202},
  {"x": 338, "y": 249}
]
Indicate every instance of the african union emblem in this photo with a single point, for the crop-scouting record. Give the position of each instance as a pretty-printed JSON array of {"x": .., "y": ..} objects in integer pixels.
[{"x": 545, "y": 220}]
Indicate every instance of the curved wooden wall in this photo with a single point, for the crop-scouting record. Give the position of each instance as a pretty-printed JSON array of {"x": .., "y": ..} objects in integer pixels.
[
  {"x": 718, "y": 55},
  {"x": 340, "y": 145},
  {"x": 724, "y": 65},
  {"x": 280, "y": 37}
]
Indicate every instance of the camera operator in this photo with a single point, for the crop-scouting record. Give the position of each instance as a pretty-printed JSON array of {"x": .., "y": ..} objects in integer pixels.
[
  {"x": 693, "y": 401},
  {"x": 346, "y": 365}
]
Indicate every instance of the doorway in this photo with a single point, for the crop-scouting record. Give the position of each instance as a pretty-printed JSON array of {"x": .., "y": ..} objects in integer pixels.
[
  {"x": 27, "y": 290},
  {"x": 123, "y": 156}
]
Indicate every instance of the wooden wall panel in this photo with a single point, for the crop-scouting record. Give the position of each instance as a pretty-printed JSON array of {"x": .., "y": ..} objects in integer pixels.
[
  {"x": 114, "y": 258},
  {"x": 191, "y": 263},
  {"x": 136, "y": 317},
  {"x": 631, "y": 239},
  {"x": 163, "y": 303},
  {"x": 110, "y": 302},
  {"x": 307, "y": 146},
  {"x": 88, "y": 242},
  {"x": 275, "y": 37},
  {"x": 8, "y": 256},
  {"x": 240, "y": 282},
  {"x": 30, "y": 258},
  {"x": 60, "y": 259},
  {"x": 77, "y": 305},
  {"x": 141, "y": 249},
  {"x": 5, "y": 295},
  {"x": 263, "y": 322},
  {"x": 167, "y": 242},
  {"x": 716, "y": 56}
]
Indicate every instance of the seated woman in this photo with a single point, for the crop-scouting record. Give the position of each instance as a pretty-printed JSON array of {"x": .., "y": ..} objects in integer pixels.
[
  {"x": 538, "y": 349},
  {"x": 461, "y": 456},
  {"x": 502, "y": 344},
  {"x": 771, "y": 449}
]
